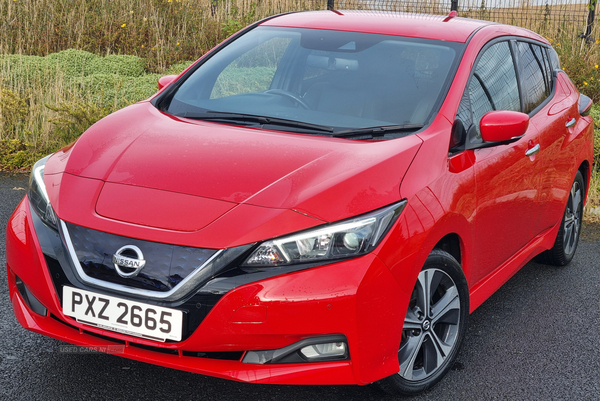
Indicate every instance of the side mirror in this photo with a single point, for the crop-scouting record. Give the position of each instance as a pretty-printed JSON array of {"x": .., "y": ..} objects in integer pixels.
[
  {"x": 585, "y": 105},
  {"x": 503, "y": 126},
  {"x": 166, "y": 80}
]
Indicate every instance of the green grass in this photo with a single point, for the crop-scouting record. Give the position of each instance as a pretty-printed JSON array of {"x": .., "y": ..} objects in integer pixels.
[
  {"x": 592, "y": 207},
  {"x": 47, "y": 102}
]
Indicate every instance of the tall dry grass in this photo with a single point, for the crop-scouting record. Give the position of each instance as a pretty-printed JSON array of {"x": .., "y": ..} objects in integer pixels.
[
  {"x": 545, "y": 17},
  {"x": 580, "y": 59},
  {"x": 163, "y": 32}
]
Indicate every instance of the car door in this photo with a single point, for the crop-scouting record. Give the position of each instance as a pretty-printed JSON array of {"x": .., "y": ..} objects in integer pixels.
[
  {"x": 552, "y": 106},
  {"x": 507, "y": 176}
]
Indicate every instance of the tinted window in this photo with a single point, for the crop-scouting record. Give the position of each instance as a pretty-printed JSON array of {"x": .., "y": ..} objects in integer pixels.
[
  {"x": 493, "y": 85},
  {"x": 341, "y": 80},
  {"x": 554, "y": 61},
  {"x": 534, "y": 75},
  {"x": 543, "y": 53}
]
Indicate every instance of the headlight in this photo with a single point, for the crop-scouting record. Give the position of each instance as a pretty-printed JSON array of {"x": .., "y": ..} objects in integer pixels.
[
  {"x": 38, "y": 197},
  {"x": 349, "y": 238}
]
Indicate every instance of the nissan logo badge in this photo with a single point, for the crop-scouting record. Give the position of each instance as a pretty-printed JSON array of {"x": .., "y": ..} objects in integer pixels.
[{"x": 128, "y": 261}]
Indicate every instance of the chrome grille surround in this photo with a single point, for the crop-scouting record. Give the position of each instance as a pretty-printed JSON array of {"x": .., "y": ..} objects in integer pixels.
[{"x": 173, "y": 270}]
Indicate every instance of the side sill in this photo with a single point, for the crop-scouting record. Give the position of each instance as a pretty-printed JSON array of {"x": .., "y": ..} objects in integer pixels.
[{"x": 488, "y": 285}]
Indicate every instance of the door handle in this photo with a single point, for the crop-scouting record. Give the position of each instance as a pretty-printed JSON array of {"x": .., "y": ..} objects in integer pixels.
[
  {"x": 533, "y": 151},
  {"x": 570, "y": 123}
]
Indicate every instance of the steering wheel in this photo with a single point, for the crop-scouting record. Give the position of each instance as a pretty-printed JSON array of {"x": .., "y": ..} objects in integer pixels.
[{"x": 289, "y": 95}]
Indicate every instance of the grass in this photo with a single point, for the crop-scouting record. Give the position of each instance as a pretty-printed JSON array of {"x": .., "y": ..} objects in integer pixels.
[
  {"x": 50, "y": 93},
  {"x": 47, "y": 102},
  {"x": 592, "y": 208}
]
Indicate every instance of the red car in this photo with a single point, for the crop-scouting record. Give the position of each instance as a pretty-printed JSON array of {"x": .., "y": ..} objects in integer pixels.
[{"x": 321, "y": 199}]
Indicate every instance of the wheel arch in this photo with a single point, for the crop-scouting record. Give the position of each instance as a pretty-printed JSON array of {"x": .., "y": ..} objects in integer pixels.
[
  {"x": 452, "y": 233},
  {"x": 586, "y": 170},
  {"x": 451, "y": 243}
]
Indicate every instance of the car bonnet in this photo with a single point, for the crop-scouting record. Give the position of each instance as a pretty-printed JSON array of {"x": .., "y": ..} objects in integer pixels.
[{"x": 156, "y": 170}]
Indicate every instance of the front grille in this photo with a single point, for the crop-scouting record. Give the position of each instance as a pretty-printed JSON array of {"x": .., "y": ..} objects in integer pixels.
[
  {"x": 166, "y": 265},
  {"x": 195, "y": 309}
]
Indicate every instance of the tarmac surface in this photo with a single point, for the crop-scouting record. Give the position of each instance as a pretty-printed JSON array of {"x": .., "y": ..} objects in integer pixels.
[{"x": 535, "y": 339}]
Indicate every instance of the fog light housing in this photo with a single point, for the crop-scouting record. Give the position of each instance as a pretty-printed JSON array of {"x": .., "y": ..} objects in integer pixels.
[
  {"x": 327, "y": 350},
  {"x": 29, "y": 299},
  {"x": 316, "y": 349}
]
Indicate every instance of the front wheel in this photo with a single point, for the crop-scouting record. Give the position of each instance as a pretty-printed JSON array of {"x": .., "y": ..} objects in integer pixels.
[
  {"x": 567, "y": 239},
  {"x": 434, "y": 326}
]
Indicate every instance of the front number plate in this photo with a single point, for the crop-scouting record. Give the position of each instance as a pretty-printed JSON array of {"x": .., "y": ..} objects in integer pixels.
[{"x": 122, "y": 315}]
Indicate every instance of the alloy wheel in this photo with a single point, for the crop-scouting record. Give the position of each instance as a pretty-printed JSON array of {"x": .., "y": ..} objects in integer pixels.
[
  {"x": 572, "y": 220},
  {"x": 431, "y": 325}
]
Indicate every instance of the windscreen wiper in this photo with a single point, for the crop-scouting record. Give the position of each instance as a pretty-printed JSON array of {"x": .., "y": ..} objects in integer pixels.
[
  {"x": 377, "y": 131},
  {"x": 251, "y": 118}
]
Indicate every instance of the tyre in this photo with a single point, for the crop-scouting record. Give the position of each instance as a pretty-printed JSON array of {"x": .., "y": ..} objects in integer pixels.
[
  {"x": 434, "y": 326},
  {"x": 567, "y": 238}
]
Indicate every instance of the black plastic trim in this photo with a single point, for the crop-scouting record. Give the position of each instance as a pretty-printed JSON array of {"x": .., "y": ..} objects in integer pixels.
[
  {"x": 31, "y": 301},
  {"x": 223, "y": 355}
]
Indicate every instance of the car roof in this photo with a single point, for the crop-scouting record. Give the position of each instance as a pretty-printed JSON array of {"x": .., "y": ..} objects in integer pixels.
[{"x": 382, "y": 22}]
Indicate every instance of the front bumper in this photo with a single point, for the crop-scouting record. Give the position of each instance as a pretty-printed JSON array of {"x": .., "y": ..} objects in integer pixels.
[{"x": 357, "y": 298}]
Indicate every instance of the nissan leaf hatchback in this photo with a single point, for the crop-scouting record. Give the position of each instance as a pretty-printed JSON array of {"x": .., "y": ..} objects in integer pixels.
[{"x": 321, "y": 199}]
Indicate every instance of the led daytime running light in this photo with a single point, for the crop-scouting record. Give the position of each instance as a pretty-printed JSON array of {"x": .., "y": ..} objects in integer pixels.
[{"x": 38, "y": 176}]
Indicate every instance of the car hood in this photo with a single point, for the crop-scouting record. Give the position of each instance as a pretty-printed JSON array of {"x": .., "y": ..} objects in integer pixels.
[{"x": 146, "y": 158}]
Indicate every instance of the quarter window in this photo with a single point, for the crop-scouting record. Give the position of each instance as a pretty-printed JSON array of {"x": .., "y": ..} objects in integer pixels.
[{"x": 554, "y": 62}]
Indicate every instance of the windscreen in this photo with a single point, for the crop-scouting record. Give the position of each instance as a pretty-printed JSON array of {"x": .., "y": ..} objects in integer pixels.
[{"x": 334, "y": 79}]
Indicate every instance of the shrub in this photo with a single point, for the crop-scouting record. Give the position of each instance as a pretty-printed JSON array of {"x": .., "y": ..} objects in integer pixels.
[
  {"x": 131, "y": 66},
  {"x": 580, "y": 59},
  {"x": 74, "y": 118},
  {"x": 73, "y": 63},
  {"x": 46, "y": 102},
  {"x": 595, "y": 113},
  {"x": 17, "y": 155},
  {"x": 13, "y": 111},
  {"x": 113, "y": 90},
  {"x": 176, "y": 69}
]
